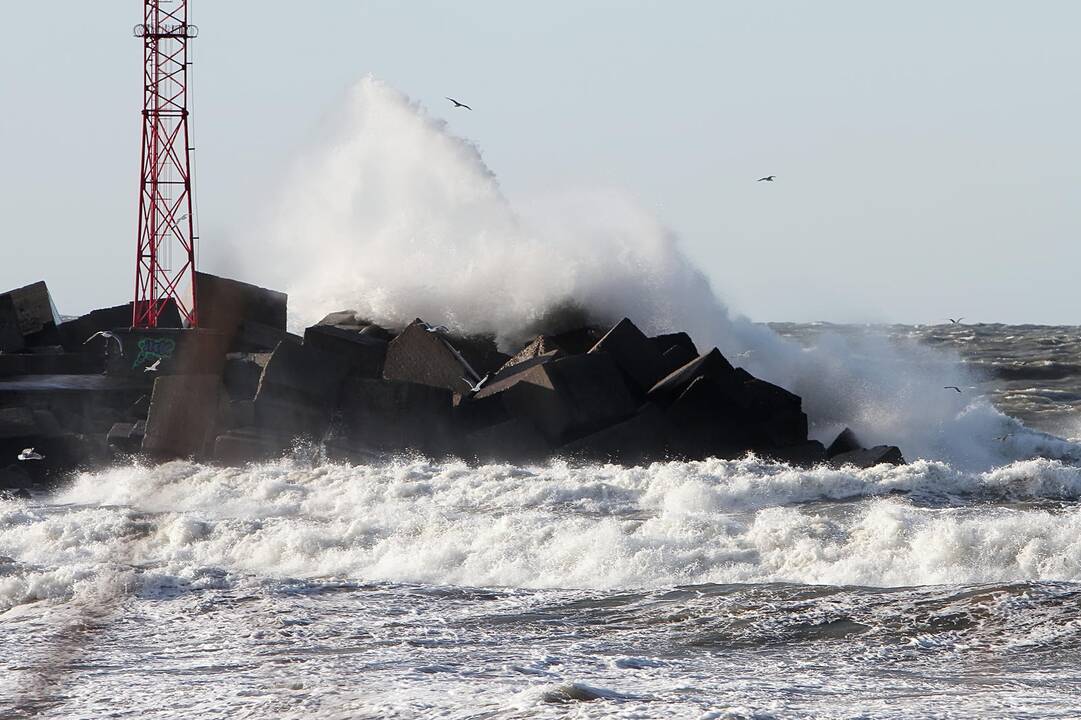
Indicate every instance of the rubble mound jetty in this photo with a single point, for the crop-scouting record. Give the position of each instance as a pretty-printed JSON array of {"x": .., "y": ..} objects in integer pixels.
[{"x": 90, "y": 391}]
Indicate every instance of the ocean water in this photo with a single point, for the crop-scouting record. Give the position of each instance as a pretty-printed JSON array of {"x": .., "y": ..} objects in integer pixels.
[{"x": 421, "y": 588}]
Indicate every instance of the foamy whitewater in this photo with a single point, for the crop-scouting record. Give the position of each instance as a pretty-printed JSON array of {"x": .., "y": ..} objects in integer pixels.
[{"x": 427, "y": 587}]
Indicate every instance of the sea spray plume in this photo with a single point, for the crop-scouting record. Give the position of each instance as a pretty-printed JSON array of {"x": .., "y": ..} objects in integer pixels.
[
  {"x": 392, "y": 216},
  {"x": 396, "y": 218}
]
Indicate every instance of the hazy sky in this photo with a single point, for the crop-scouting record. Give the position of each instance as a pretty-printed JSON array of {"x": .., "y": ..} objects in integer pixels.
[{"x": 927, "y": 154}]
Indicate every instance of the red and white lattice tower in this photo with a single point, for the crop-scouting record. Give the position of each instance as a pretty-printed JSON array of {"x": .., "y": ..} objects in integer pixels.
[{"x": 165, "y": 267}]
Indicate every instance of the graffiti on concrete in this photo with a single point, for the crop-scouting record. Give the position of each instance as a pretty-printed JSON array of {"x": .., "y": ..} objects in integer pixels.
[{"x": 152, "y": 349}]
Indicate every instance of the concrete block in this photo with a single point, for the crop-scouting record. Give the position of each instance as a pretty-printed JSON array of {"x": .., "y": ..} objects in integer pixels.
[
  {"x": 139, "y": 409},
  {"x": 712, "y": 365},
  {"x": 676, "y": 357},
  {"x": 635, "y": 355},
  {"x": 241, "y": 375},
  {"x": 304, "y": 372},
  {"x": 846, "y": 441},
  {"x": 351, "y": 320},
  {"x": 174, "y": 351},
  {"x": 12, "y": 365},
  {"x": 804, "y": 454},
  {"x": 667, "y": 341},
  {"x": 183, "y": 411},
  {"x": 365, "y": 354},
  {"x": 241, "y": 413},
  {"x": 378, "y": 332},
  {"x": 773, "y": 413},
  {"x": 121, "y": 438},
  {"x": 498, "y": 382},
  {"x": 345, "y": 318},
  {"x": 480, "y": 351},
  {"x": 50, "y": 364},
  {"x": 709, "y": 422},
  {"x": 766, "y": 399},
  {"x": 515, "y": 440},
  {"x": 389, "y": 415},
  {"x": 727, "y": 417},
  {"x": 46, "y": 424},
  {"x": 578, "y": 341},
  {"x": 570, "y": 397},
  {"x": 73, "y": 333},
  {"x": 642, "y": 438},
  {"x": 247, "y": 445},
  {"x": 255, "y": 337},
  {"x": 224, "y": 304},
  {"x": 869, "y": 457},
  {"x": 705, "y": 401},
  {"x": 17, "y": 422},
  {"x": 427, "y": 358},
  {"x": 540, "y": 346},
  {"x": 11, "y": 336},
  {"x": 15, "y": 477},
  {"x": 37, "y": 316},
  {"x": 472, "y": 413},
  {"x": 298, "y": 390}
]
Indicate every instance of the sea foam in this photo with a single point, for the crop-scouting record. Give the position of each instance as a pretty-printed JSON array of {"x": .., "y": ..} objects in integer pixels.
[{"x": 550, "y": 526}]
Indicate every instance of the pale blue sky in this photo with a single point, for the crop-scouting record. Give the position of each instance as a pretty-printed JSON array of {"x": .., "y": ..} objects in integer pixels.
[{"x": 926, "y": 153}]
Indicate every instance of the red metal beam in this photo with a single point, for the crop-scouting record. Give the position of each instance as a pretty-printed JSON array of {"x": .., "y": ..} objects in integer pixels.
[{"x": 165, "y": 259}]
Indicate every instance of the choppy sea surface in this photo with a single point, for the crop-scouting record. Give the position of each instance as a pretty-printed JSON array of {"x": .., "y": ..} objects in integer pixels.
[{"x": 418, "y": 588}]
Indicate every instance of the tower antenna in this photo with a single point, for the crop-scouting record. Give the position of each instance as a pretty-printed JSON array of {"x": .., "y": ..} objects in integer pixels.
[{"x": 165, "y": 265}]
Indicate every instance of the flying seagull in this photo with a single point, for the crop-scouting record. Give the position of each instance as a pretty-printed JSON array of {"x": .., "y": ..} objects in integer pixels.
[
  {"x": 768, "y": 178},
  {"x": 153, "y": 367},
  {"x": 29, "y": 454},
  {"x": 1003, "y": 438},
  {"x": 459, "y": 104},
  {"x": 951, "y": 387},
  {"x": 108, "y": 335},
  {"x": 438, "y": 329},
  {"x": 474, "y": 389},
  {"x": 745, "y": 353},
  {"x": 956, "y": 321}
]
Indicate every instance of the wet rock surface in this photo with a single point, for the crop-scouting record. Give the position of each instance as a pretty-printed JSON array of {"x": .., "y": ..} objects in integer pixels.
[{"x": 242, "y": 388}]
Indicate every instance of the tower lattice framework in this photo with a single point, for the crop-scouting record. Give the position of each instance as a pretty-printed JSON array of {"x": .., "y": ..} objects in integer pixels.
[{"x": 165, "y": 267}]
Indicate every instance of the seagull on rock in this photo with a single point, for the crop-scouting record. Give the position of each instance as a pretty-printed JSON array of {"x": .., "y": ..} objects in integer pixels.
[
  {"x": 108, "y": 335},
  {"x": 29, "y": 454},
  {"x": 459, "y": 104},
  {"x": 438, "y": 329}
]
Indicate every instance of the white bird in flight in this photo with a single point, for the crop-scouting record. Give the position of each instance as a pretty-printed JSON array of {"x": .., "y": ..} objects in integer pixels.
[
  {"x": 474, "y": 389},
  {"x": 153, "y": 367},
  {"x": 29, "y": 454},
  {"x": 108, "y": 335}
]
